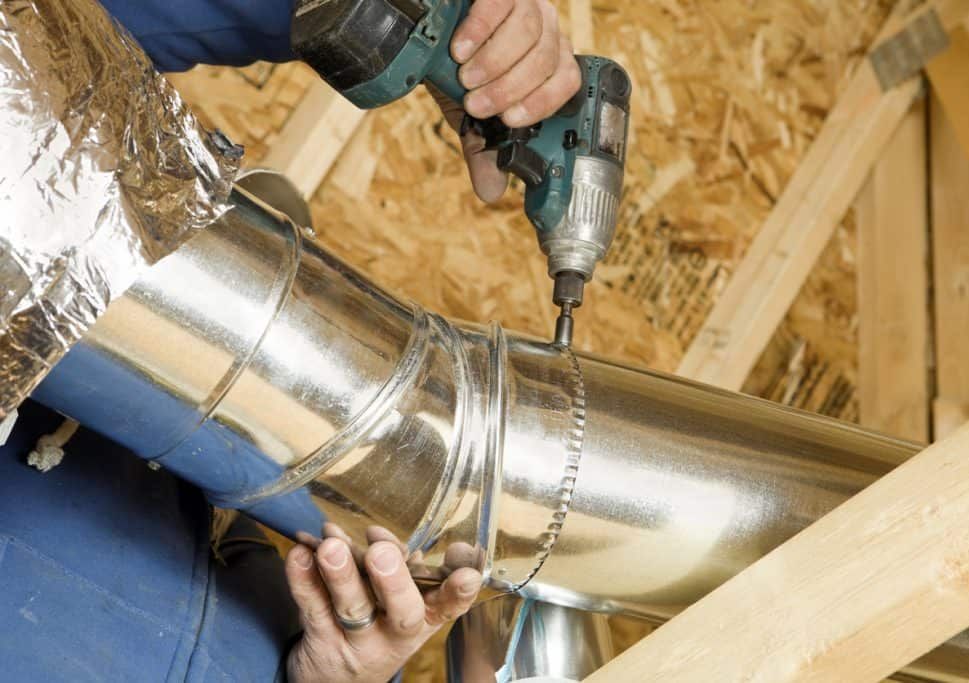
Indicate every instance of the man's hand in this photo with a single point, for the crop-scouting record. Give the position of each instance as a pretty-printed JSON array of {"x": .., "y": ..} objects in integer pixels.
[
  {"x": 516, "y": 64},
  {"x": 333, "y": 598}
]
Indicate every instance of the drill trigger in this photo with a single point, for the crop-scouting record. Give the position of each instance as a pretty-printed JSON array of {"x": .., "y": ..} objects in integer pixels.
[
  {"x": 492, "y": 130},
  {"x": 522, "y": 161}
]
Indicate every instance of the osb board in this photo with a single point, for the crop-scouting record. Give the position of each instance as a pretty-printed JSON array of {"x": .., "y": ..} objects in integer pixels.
[
  {"x": 249, "y": 105},
  {"x": 729, "y": 95}
]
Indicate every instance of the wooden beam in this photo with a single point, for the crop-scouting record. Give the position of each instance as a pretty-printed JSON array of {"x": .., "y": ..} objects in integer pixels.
[
  {"x": 948, "y": 74},
  {"x": 893, "y": 285},
  {"x": 870, "y": 587},
  {"x": 354, "y": 171},
  {"x": 948, "y": 415},
  {"x": 815, "y": 200},
  {"x": 950, "y": 248},
  {"x": 583, "y": 32},
  {"x": 314, "y": 136}
]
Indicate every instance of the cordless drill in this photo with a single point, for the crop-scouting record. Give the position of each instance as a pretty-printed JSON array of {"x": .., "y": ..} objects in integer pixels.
[{"x": 376, "y": 51}]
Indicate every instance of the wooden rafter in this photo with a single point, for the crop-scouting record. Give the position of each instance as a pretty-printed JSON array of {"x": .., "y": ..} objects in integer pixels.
[
  {"x": 893, "y": 284},
  {"x": 817, "y": 607},
  {"x": 314, "y": 137},
  {"x": 950, "y": 82},
  {"x": 950, "y": 237}
]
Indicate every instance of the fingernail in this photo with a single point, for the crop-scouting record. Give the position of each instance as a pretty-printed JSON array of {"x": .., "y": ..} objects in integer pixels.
[
  {"x": 479, "y": 105},
  {"x": 335, "y": 556},
  {"x": 472, "y": 77},
  {"x": 463, "y": 50},
  {"x": 469, "y": 587},
  {"x": 303, "y": 557},
  {"x": 516, "y": 116},
  {"x": 386, "y": 560}
]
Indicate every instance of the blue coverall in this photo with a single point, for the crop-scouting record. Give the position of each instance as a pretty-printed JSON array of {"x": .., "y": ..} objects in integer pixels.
[{"x": 105, "y": 568}]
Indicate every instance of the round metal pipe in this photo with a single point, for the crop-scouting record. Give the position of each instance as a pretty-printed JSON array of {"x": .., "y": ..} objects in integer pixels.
[
  {"x": 284, "y": 383},
  {"x": 512, "y": 639}
]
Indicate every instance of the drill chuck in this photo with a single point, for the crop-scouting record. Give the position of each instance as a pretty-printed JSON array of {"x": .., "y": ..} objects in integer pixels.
[
  {"x": 583, "y": 237},
  {"x": 567, "y": 295},
  {"x": 581, "y": 240}
]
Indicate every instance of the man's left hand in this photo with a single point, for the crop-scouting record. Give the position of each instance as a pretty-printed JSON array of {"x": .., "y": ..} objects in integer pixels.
[{"x": 345, "y": 638}]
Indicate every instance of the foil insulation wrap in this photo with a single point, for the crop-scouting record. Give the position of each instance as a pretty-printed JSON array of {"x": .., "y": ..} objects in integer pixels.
[{"x": 103, "y": 171}]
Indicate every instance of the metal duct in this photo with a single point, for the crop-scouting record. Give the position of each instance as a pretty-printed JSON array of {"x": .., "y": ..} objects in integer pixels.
[
  {"x": 262, "y": 368},
  {"x": 511, "y": 639}
]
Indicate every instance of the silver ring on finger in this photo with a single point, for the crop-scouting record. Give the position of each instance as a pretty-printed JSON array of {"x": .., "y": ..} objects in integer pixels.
[{"x": 358, "y": 624}]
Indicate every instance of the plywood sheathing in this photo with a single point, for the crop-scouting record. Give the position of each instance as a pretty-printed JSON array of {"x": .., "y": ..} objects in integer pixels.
[{"x": 250, "y": 105}]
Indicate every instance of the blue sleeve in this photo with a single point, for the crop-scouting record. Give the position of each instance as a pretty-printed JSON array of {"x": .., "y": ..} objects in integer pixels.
[{"x": 178, "y": 34}]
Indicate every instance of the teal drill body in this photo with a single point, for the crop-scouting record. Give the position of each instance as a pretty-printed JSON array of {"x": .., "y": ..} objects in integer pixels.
[{"x": 376, "y": 51}]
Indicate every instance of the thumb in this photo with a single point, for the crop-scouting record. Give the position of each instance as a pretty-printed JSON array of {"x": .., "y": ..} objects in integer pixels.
[
  {"x": 453, "y": 598},
  {"x": 488, "y": 181}
]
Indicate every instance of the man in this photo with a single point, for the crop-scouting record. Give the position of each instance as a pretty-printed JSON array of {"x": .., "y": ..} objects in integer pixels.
[{"x": 105, "y": 563}]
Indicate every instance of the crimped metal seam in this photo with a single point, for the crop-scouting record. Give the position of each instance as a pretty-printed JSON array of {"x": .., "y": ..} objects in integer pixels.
[{"x": 573, "y": 447}]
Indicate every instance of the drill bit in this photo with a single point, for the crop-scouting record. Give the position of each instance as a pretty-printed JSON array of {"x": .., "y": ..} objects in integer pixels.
[
  {"x": 563, "y": 326},
  {"x": 567, "y": 295}
]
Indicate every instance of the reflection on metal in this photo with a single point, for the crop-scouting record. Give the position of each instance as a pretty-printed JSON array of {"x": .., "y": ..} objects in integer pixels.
[
  {"x": 265, "y": 370},
  {"x": 512, "y": 639},
  {"x": 275, "y": 189}
]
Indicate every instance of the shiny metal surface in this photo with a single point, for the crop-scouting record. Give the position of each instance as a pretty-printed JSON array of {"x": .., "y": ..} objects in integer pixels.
[
  {"x": 684, "y": 485},
  {"x": 104, "y": 171},
  {"x": 263, "y": 369},
  {"x": 512, "y": 639},
  {"x": 583, "y": 237},
  {"x": 278, "y": 191}
]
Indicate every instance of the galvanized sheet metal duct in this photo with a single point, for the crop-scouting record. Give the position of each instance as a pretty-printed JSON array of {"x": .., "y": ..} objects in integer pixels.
[
  {"x": 512, "y": 639},
  {"x": 262, "y": 368}
]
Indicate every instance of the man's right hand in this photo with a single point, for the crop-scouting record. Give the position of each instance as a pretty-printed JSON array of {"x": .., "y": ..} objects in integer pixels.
[{"x": 517, "y": 64}]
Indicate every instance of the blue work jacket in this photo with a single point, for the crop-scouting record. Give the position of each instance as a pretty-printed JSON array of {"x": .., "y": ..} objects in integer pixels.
[{"x": 105, "y": 568}]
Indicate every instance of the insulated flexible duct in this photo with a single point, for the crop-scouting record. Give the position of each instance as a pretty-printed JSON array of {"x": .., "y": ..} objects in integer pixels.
[
  {"x": 104, "y": 171},
  {"x": 262, "y": 368}
]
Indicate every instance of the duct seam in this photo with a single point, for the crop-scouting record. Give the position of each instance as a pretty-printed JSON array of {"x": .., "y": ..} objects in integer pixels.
[
  {"x": 573, "y": 446},
  {"x": 438, "y": 510},
  {"x": 494, "y": 443},
  {"x": 281, "y": 290},
  {"x": 390, "y": 394}
]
